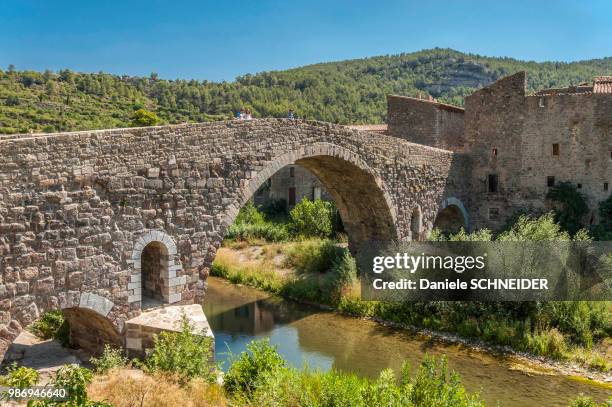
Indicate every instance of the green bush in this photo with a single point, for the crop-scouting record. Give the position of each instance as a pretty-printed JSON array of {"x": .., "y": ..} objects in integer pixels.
[
  {"x": 247, "y": 369},
  {"x": 279, "y": 385},
  {"x": 269, "y": 232},
  {"x": 144, "y": 118},
  {"x": 313, "y": 256},
  {"x": 186, "y": 353},
  {"x": 75, "y": 380},
  {"x": 19, "y": 376},
  {"x": 111, "y": 358},
  {"x": 249, "y": 214},
  {"x": 313, "y": 218},
  {"x": 52, "y": 325},
  {"x": 571, "y": 206},
  {"x": 584, "y": 401}
]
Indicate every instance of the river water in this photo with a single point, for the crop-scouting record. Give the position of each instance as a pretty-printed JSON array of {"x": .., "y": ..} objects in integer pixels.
[{"x": 325, "y": 340}]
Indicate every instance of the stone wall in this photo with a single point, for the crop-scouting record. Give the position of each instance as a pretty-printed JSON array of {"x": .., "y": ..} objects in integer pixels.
[
  {"x": 426, "y": 122},
  {"x": 77, "y": 209},
  {"x": 511, "y": 135}
]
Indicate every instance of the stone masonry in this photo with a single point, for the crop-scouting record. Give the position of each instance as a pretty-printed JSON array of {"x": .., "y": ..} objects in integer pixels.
[
  {"x": 518, "y": 145},
  {"x": 77, "y": 210}
]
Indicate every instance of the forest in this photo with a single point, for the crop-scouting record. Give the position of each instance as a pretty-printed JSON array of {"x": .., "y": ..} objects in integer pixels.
[{"x": 352, "y": 91}]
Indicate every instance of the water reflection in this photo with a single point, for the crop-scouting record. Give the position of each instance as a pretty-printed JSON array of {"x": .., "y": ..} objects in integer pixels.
[{"x": 325, "y": 340}]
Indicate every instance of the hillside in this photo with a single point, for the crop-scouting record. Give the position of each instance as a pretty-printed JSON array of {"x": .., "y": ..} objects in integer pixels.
[{"x": 344, "y": 92}]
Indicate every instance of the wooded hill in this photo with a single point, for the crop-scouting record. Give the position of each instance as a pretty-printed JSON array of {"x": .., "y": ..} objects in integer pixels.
[{"x": 351, "y": 91}]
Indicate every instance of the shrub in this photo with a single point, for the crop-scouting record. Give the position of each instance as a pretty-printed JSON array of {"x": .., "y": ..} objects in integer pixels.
[
  {"x": 52, "y": 325},
  {"x": 12, "y": 100},
  {"x": 571, "y": 206},
  {"x": 313, "y": 256},
  {"x": 541, "y": 229},
  {"x": 111, "y": 358},
  {"x": 75, "y": 380},
  {"x": 433, "y": 386},
  {"x": 185, "y": 353},
  {"x": 313, "y": 218},
  {"x": 246, "y": 370},
  {"x": 269, "y": 232},
  {"x": 144, "y": 118},
  {"x": 584, "y": 401},
  {"x": 19, "y": 376},
  {"x": 249, "y": 214}
]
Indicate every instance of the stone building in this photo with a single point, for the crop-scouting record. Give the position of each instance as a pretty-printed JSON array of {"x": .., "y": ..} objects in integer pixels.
[
  {"x": 291, "y": 184},
  {"x": 519, "y": 145}
]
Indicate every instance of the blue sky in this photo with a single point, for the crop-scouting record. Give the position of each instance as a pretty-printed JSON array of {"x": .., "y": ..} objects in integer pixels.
[{"x": 218, "y": 40}]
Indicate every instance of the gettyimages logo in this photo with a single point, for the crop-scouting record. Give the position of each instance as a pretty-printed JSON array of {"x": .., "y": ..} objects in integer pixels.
[{"x": 486, "y": 271}]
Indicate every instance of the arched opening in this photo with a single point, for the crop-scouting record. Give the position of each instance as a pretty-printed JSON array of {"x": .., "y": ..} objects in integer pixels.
[
  {"x": 416, "y": 223},
  {"x": 450, "y": 220},
  {"x": 367, "y": 214},
  {"x": 91, "y": 331},
  {"x": 154, "y": 265}
]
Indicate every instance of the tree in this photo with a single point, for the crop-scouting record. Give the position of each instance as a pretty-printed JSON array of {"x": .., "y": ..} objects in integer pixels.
[
  {"x": 11, "y": 68},
  {"x": 144, "y": 118},
  {"x": 571, "y": 206},
  {"x": 12, "y": 100}
]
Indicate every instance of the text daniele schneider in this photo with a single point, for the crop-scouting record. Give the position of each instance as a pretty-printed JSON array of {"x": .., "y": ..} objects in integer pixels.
[{"x": 403, "y": 262}]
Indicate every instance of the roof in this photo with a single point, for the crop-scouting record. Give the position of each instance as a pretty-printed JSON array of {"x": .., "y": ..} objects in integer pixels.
[{"x": 602, "y": 84}]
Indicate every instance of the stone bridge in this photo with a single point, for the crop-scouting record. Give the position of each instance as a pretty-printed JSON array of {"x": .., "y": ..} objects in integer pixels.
[{"x": 93, "y": 222}]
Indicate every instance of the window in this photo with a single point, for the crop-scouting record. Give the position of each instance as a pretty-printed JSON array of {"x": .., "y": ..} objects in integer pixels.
[
  {"x": 541, "y": 102},
  {"x": 550, "y": 181},
  {"x": 493, "y": 213},
  {"x": 556, "y": 149},
  {"x": 292, "y": 172},
  {"x": 579, "y": 186},
  {"x": 493, "y": 183},
  {"x": 610, "y": 154},
  {"x": 605, "y": 186},
  {"x": 291, "y": 196},
  {"x": 494, "y": 152}
]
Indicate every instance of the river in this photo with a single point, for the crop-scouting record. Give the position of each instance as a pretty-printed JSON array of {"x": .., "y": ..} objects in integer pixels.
[{"x": 326, "y": 340}]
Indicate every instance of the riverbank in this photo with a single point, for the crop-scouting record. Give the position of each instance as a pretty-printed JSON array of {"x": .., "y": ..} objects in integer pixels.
[{"x": 279, "y": 269}]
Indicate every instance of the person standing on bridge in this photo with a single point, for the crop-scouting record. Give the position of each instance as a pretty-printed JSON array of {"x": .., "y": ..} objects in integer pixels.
[
  {"x": 248, "y": 115},
  {"x": 291, "y": 115}
]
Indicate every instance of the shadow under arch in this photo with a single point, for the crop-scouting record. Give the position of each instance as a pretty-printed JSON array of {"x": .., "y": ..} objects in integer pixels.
[
  {"x": 90, "y": 330},
  {"x": 451, "y": 217},
  {"x": 367, "y": 210}
]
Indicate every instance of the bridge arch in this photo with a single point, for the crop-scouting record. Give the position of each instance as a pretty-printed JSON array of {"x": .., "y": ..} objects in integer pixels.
[
  {"x": 366, "y": 208},
  {"x": 452, "y": 216}
]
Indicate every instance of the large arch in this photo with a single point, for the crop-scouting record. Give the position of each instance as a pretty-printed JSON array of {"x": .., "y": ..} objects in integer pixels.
[{"x": 366, "y": 208}]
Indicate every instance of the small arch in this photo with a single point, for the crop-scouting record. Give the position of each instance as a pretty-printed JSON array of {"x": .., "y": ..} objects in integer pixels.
[
  {"x": 90, "y": 330},
  {"x": 451, "y": 217},
  {"x": 156, "y": 269},
  {"x": 416, "y": 223}
]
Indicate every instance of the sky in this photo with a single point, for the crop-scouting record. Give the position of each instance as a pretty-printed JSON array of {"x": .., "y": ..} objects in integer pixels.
[{"x": 219, "y": 40}]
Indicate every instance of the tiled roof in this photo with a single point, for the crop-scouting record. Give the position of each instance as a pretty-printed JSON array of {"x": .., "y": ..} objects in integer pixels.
[{"x": 602, "y": 84}]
